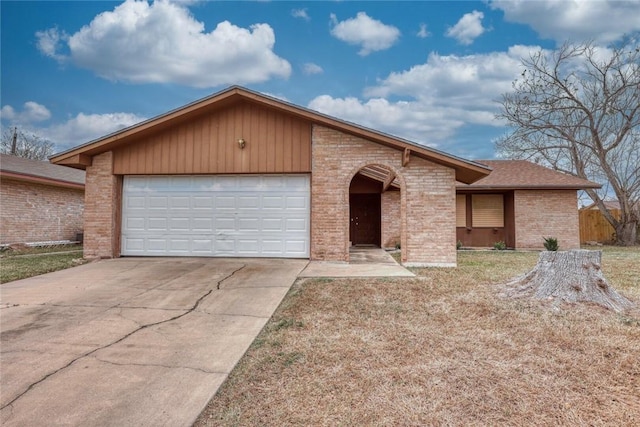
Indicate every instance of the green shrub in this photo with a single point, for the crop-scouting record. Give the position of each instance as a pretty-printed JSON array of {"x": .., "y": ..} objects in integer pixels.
[
  {"x": 551, "y": 243},
  {"x": 458, "y": 245},
  {"x": 500, "y": 246}
]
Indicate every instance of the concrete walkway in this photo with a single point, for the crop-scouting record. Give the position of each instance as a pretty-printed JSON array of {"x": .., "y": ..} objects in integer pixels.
[
  {"x": 131, "y": 342},
  {"x": 364, "y": 262}
]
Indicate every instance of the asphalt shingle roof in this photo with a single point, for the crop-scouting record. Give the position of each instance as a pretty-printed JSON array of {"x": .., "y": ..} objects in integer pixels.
[
  {"x": 40, "y": 169},
  {"x": 522, "y": 174}
]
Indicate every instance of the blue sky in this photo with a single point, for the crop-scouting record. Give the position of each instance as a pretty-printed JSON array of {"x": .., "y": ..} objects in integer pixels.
[{"x": 427, "y": 71}]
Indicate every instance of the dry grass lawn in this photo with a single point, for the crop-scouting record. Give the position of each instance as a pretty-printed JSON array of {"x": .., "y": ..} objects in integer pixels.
[
  {"x": 29, "y": 262},
  {"x": 440, "y": 349}
]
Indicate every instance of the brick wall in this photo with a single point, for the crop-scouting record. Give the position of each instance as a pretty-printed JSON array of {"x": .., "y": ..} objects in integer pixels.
[
  {"x": 102, "y": 209},
  {"x": 546, "y": 213},
  {"x": 427, "y": 200},
  {"x": 37, "y": 212},
  {"x": 391, "y": 230}
]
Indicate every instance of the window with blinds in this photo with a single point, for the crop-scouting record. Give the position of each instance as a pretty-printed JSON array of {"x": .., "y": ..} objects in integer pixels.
[
  {"x": 487, "y": 210},
  {"x": 461, "y": 210}
]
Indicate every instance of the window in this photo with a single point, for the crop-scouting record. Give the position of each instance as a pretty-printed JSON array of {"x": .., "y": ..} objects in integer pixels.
[
  {"x": 461, "y": 210},
  {"x": 487, "y": 210}
]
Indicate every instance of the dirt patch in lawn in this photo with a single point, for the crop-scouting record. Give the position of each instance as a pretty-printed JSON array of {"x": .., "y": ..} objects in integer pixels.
[{"x": 440, "y": 349}]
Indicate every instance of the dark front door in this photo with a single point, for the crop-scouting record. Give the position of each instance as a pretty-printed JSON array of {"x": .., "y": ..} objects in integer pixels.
[{"x": 364, "y": 219}]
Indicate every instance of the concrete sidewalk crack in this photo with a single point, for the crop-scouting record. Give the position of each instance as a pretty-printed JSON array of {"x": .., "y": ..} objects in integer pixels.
[
  {"x": 229, "y": 276},
  {"x": 159, "y": 365},
  {"x": 171, "y": 319}
]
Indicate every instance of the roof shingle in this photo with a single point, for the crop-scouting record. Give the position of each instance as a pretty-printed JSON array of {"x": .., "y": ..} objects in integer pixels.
[
  {"x": 522, "y": 174},
  {"x": 18, "y": 166}
]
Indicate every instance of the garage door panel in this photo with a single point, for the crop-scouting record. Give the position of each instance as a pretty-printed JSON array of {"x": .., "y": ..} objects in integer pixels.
[
  {"x": 135, "y": 224},
  {"x": 156, "y": 224},
  {"x": 296, "y": 224},
  {"x": 230, "y": 215},
  {"x": 202, "y": 225},
  {"x": 225, "y": 202}
]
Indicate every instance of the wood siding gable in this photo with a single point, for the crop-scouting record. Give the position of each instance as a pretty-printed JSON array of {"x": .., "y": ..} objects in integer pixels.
[{"x": 276, "y": 142}]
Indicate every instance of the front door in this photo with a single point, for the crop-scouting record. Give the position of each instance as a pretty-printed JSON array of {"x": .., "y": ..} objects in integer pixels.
[{"x": 364, "y": 219}]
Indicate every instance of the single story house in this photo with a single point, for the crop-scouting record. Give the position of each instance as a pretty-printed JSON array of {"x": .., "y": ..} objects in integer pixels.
[
  {"x": 40, "y": 202},
  {"x": 243, "y": 174},
  {"x": 519, "y": 204}
]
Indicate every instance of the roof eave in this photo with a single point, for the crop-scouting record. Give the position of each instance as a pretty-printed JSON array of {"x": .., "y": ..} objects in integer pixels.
[
  {"x": 41, "y": 180},
  {"x": 527, "y": 187}
]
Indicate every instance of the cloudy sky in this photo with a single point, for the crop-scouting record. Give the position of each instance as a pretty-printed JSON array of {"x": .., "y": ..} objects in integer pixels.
[{"x": 427, "y": 71}]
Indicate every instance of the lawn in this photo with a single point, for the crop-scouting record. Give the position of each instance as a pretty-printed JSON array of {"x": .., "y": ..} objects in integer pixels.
[
  {"x": 28, "y": 262},
  {"x": 441, "y": 349}
]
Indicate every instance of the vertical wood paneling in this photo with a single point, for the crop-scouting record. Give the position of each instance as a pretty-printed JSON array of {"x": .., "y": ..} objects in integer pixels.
[
  {"x": 236, "y": 134},
  {"x": 246, "y": 130},
  {"x": 173, "y": 150},
  {"x": 275, "y": 143},
  {"x": 204, "y": 144},
  {"x": 296, "y": 146},
  {"x": 188, "y": 146}
]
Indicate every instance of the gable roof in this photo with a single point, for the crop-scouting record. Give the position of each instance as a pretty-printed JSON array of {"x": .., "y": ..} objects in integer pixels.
[
  {"x": 41, "y": 172},
  {"x": 80, "y": 156},
  {"x": 522, "y": 174}
]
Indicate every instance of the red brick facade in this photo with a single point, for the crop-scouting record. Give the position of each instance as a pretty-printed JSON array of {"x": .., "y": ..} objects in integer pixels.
[
  {"x": 391, "y": 230},
  {"x": 546, "y": 213},
  {"x": 102, "y": 208},
  {"x": 427, "y": 199},
  {"x": 38, "y": 212}
]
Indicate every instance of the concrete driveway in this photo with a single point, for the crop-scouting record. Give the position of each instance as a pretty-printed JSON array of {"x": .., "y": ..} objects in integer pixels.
[{"x": 131, "y": 341}]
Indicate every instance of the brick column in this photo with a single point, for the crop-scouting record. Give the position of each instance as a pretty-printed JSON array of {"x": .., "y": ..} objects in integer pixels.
[{"x": 102, "y": 209}]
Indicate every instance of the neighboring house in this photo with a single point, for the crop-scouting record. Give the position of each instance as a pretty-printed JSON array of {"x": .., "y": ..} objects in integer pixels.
[
  {"x": 39, "y": 202},
  {"x": 519, "y": 203},
  {"x": 243, "y": 174}
]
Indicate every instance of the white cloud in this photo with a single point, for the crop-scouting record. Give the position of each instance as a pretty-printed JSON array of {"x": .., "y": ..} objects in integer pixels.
[
  {"x": 437, "y": 98},
  {"x": 604, "y": 21},
  {"x": 423, "y": 33},
  {"x": 32, "y": 112},
  {"x": 74, "y": 131},
  {"x": 370, "y": 34},
  {"x": 50, "y": 42},
  {"x": 86, "y": 127},
  {"x": 468, "y": 28},
  {"x": 163, "y": 43},
  {"x": 300, "y": 13},
  {"x": 465, "y": 82},
  {"x": 407, "y": 120},
  {"x": 311, "y": 68}
]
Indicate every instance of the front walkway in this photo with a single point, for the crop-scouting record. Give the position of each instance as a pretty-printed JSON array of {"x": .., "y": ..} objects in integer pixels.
[{"x": 364, "y": 262}]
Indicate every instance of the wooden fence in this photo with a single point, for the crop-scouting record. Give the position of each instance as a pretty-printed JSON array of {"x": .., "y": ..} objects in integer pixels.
[{"x": 594, "y": 227}]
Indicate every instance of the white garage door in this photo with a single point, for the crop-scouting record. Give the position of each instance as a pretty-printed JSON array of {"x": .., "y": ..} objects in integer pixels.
[{"x": 223, "y": 215}]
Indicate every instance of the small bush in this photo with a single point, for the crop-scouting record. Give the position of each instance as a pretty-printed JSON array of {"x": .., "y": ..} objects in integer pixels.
[
  {"x": 500, "y": 246},
  {"x": 458, "y": 245},
  {"x": 551, "y": 243}
]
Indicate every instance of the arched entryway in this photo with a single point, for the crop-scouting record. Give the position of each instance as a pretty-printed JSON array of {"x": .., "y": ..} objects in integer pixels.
[{"x": 374, "y": 200}]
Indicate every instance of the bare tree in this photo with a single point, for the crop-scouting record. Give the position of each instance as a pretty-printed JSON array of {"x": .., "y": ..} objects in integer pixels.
[
  {"x": 26, "y": 145},
  {"x": 577, "y": 110}
]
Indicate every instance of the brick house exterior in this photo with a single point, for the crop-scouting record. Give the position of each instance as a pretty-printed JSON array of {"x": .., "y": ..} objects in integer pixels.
[
  {"x": 40, "y": 202},
  {"x": 537, "y": 202},
  {"x": 245, "y": 136}
]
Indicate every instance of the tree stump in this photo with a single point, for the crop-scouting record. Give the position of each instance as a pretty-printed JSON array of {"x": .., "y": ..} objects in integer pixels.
[{"x": 569, "y": 276}]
